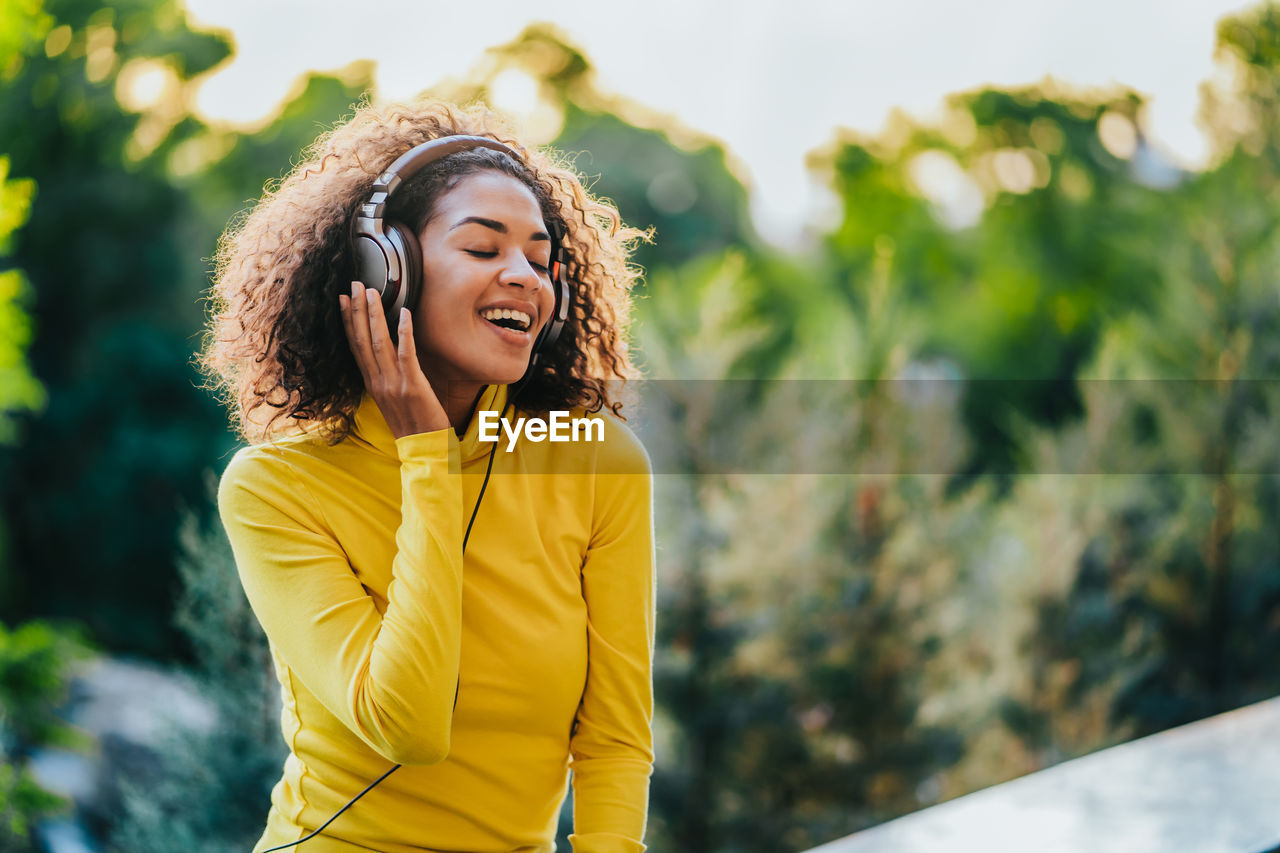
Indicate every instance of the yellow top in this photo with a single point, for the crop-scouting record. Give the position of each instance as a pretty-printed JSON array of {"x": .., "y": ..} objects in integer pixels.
[{"x": 351, "y": 556}]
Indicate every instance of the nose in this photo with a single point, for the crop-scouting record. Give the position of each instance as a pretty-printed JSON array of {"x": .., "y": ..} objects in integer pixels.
[{"x": 520, "y": 272}]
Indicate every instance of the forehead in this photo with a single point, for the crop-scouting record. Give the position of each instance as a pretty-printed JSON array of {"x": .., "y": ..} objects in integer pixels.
[{"x": 491, "y": 195}]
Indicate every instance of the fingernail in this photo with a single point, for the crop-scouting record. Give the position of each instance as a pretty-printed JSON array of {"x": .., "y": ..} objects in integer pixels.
[
  {"x": 355, "y": 288},
  {"x": 404, "y": 315},
  {"x": 371, "y": 295}
]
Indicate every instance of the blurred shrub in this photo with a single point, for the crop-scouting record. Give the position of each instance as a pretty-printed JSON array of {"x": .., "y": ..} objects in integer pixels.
[
  {"x": 35, "y": 659},
  {"x": 211, "y": 790}
]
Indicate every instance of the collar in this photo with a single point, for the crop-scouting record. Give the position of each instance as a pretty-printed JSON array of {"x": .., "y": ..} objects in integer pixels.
[{"x": 371, "y": 427}]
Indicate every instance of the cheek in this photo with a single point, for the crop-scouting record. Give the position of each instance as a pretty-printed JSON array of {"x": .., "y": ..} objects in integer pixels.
[
  {"x": 548, "y": 306},
  {"x": 440, "y": 308},
  {"x": 431, "y": 325},
  {"x": 438, "y": 326}
]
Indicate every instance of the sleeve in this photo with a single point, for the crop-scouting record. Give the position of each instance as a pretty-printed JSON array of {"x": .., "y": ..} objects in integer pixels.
[
  {"x": 390, "y": 678},
  {"x": 611, "y": 751}
]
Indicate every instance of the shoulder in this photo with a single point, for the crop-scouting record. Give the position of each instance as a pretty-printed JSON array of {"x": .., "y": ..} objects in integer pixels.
[
  {"x": 272, "y": 473},
  {"x": 618, "y": 450},
  {"x": 622, "y": 479},
  {"x": 259, "y": 464}
]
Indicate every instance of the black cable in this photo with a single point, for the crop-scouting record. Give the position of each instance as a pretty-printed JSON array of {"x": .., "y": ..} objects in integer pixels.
[
  {"x": 335, "y": 814},
  {"x": 465, "y": 537}
]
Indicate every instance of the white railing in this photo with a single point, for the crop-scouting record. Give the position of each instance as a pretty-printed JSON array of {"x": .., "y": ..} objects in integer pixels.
[{"x": 1212, "y": 786}]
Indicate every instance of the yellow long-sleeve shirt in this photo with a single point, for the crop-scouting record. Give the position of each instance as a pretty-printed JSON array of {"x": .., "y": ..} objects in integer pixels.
[{"x": 351, "y": 557}]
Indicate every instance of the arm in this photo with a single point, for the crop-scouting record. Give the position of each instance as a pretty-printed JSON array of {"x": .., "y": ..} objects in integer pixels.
[
  {"x": 390, "y": 678},
  {"x": 611, "y": 751}
]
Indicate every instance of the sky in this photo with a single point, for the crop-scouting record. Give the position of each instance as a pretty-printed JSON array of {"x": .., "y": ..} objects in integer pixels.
[{"x": 772, "y": 80}]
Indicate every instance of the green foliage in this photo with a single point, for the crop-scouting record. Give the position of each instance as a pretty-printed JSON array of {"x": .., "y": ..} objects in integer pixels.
[
  {"x": 1174, "y": 611},
  {"x": 832, "y": 651},
  {"x": 19, "y": 390},
  {"x": 114, "y": 282},
  {"x": 694, "y": 204},
  {"x": 660, "y": 177},
  {"x": 223, "y": 170},
  {"x": 211, "y": 789},
  {"x": 1065, "y": 242},
  {"x": 22, "y": 23},
  {"x": 789, "y": 693},
  {"x": 116, "y": 254},
  {"x": 22, "y": 802},
  {"x": 34, "y": 661},
  {"x": 1247, "y": 115},
  {"x": 33, "y": 671},
  {"x": 887, "y": 644}
]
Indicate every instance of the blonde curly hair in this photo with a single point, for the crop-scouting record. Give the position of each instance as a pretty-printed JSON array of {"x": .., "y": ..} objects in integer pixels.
[{"x": 275, "y": 337}]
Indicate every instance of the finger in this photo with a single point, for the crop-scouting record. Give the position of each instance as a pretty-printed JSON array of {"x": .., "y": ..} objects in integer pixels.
[
  {"x": 360, "y": 344},
  {"x": 344, "y": 311},
  {"x": 406, "y": 352},
  {"x": 404, "y": 333},
  {"x": 344, "y": 308},
  {"x": 380, "y": 335}
]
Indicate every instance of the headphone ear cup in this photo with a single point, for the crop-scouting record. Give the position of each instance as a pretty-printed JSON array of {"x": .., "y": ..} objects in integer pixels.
[
  {"x": 409, "y": 252},
  {"x": 560, "y": 287},
  {"x": 372, "y": 262}
]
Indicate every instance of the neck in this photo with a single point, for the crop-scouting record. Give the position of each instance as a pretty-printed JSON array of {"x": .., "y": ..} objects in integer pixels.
[{"x": 459, "y": 400}]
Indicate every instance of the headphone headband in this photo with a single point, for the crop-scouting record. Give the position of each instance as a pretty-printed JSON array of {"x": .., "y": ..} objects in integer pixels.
[
  {"x": 388, "y": 256},
  {"x": 411, "y": 162}
]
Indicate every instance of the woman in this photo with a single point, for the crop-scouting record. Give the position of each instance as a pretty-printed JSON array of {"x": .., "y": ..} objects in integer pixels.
[{"x": 476, "y": 640}]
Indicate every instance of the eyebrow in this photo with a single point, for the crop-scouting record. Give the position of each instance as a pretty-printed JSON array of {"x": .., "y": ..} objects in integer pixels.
[{"x": 495, "y": 225}]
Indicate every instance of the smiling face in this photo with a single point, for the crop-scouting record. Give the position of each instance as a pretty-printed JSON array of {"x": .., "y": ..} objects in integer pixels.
[{"x": 486, "y": 290}]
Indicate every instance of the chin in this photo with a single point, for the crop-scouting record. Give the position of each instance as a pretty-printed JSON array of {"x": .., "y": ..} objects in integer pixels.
[
  {"x": 505, "y": 379},
  {"x": 505, "y": 374}
]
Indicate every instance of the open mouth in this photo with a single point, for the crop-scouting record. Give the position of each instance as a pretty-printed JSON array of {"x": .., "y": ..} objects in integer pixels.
[{"x": 506, "y": 318}]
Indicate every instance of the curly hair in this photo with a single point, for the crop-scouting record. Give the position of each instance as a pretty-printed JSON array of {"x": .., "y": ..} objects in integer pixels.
[{"x": 275, "y": 336}]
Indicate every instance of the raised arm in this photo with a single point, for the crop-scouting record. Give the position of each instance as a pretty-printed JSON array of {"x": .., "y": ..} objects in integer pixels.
[
  {"x": 390, "y": 678},
  {"x": 611, "y": 751}
]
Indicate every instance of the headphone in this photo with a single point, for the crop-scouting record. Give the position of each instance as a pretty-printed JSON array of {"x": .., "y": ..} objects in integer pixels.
[{"x": 388, "y": 256}]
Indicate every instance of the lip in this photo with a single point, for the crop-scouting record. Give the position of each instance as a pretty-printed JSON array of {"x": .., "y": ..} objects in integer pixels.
[
  {"x": 511, "y": 336},
  {"x": 514, "y": 305}
]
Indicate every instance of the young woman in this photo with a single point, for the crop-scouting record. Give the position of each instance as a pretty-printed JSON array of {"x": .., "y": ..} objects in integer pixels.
[{"x": 458, "y": 624}]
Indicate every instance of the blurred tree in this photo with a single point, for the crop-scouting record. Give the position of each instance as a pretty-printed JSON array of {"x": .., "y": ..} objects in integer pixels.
[
  {"x": 694, "y": 204},
  {"x": 1174, "y": 613},
  {"x": 704, "y": 707},
  {"x": 832, "y": 652},
  {"x": 1020, "y": 226},
  {"x": 787, "y": 685},
  {"x": 660, "y": 175},
  {"x": 134, "y": 190},
  {"x": 225, "y": 170},
  {"x": 19, "y": 390},
  {"x": 91, "y": 489},
  {"x": 35, "y": 659},
  {"x": 212, "y": 789},
  {"x": 1027, "y": 241}
]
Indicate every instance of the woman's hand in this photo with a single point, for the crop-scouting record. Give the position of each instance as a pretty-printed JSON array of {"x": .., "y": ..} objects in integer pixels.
[{"x": 391, "y": 373}]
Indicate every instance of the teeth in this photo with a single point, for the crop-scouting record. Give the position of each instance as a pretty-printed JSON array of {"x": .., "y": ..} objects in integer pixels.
[{"x": 507, "y": 314}]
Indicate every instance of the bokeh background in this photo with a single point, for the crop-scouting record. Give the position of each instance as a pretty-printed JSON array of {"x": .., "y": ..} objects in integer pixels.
[{"x": 1052, "y": 526}]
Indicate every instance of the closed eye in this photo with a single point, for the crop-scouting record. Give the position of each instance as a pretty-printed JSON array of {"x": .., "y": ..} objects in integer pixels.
[{"x": 478, "y": 253}]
